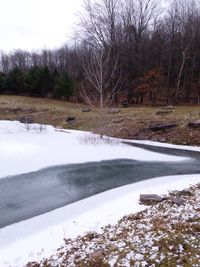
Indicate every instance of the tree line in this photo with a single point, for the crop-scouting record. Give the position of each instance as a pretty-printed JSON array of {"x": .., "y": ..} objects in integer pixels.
[
  {"x": 36, "y": 81},
  {"x": 137, "y": 50}
]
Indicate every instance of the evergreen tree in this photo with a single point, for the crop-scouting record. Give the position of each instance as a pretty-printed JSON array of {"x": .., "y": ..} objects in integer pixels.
[
  {"x": 2, "y": 77},
  {"x": 14, "y": 81},
  {"x": 63, "y": 86},
  {"x": 33, "y": 83},
  {"x": 47, "y": 81}
]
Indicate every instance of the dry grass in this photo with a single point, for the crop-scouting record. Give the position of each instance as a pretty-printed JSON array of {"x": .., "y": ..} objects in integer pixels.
[
  {"x": 46, "y": 111},
  {"x": 128, "y": 123}
]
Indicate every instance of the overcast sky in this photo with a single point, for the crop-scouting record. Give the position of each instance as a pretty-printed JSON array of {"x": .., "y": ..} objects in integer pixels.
[{"x": 36, "y": 24}]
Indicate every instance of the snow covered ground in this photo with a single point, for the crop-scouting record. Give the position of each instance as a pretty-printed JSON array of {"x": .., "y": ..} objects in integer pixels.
[{"x": 23, "y": 150}]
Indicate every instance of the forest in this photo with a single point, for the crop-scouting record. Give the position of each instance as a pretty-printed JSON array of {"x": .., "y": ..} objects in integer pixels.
[{"x": 140, "y": 51}]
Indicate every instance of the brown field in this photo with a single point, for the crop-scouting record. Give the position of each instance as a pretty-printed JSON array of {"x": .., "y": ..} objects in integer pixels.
[{"x": 128, "y": 123}]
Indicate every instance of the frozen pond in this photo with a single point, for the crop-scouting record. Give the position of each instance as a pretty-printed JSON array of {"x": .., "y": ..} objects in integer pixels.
[{"x": 27, "y": 195}]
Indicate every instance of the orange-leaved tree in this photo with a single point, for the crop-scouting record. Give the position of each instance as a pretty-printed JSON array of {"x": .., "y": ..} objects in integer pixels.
[{"x": 150, "y": 84}]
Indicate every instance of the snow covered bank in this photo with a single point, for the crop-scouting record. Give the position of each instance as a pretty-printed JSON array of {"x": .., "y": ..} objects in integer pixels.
[
  {"x": 25, "y": 149},
  {"x": 40, "y": 236}
]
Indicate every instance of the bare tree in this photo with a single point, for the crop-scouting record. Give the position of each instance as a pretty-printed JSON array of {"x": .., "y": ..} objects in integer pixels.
[
  {"x": 138, "y": 20},
  {"x": 172, "y": 26},
  {"x": 99, "y": 93},
  {"x": 184, "y": 57},
  {"x": 188, "y": 30},
  {"x": 98, "y": 29},
  {"x": 98, "y": 22},
  {"x": 5, "y": 62}
]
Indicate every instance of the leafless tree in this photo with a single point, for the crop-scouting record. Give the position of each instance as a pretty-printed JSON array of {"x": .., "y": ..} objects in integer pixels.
[
  {"x": 187, "y": 32},
  {"x": 101, "y": 89},
  {"x": 138, "y": 20},
  {"x": 98, "y": 22}
]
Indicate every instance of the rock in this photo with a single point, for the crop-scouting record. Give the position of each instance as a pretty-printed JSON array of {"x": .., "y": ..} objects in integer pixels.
[
  {"x": 15, "y": 110},
  {"x": 141, "y": 136},
  {"x": 178, "y": 201},
  {"x": 149, "y": 199},
  {"x": 162, "y": 126},
  {"x": 118, "y": 120},
  {"x": 87, "y": 109},
  {"x": 163, "y": 112},
  {"x": 162, "y": 139},
  {"x": 26, "y": 120},
  {"x": 168, "y": 107},
  {"x": 194, "y": 124},
  {"x": 125, "y": 104},
  {"x": 70, "y": 119},
  {"x": 164, "y": 197},
  {"x": 185, "y": 192},
  {"x": 114, "y": 110}
]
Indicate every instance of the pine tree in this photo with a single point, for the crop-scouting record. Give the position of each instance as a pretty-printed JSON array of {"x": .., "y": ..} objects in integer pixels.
[
  {"x": 63, "y": 86},
  {"x": 47, "y": 81},
  {"x": 2, "y": 77},
  {"x": 14, "y": 81},
  {"x": 33, "y": 82}
]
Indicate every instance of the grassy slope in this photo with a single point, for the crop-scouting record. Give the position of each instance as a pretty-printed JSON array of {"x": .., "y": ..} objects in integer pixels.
[{"x": 128, "y": 123}]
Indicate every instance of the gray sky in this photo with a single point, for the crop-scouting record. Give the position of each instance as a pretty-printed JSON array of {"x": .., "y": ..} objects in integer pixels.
[{"x": 36, "y": 24}]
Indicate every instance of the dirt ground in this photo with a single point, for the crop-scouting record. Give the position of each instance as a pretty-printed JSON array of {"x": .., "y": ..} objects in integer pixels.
[{"x": 130, "y": 122}]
